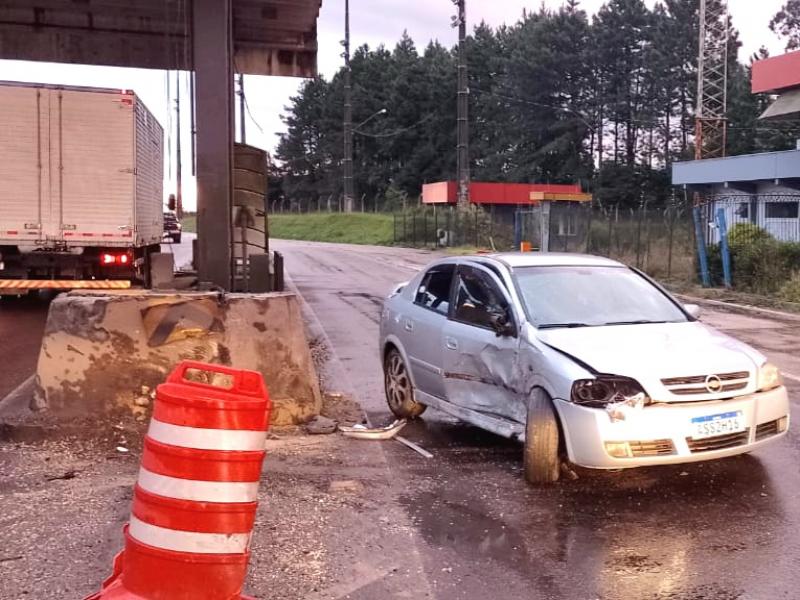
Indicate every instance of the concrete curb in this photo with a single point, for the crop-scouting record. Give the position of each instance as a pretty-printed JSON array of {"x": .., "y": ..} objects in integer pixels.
[
  {"x": 17, "y": 403},
  {"x": 744, "y": 309}
]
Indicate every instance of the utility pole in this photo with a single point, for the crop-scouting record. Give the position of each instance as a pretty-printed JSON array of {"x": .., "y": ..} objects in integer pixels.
[
  {"x": 178, "y": 174},
  {"x": 347, "y": 162},
  {"x": 462, "y": 162},
  {"x": 242, "y": 132}
]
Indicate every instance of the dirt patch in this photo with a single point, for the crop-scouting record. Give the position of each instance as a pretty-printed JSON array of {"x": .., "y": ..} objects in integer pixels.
[{"x": 342, "y": 408}]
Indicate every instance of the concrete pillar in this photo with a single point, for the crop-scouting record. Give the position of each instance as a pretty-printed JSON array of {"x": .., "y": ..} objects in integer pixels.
[{"x": 213, "y": 62}]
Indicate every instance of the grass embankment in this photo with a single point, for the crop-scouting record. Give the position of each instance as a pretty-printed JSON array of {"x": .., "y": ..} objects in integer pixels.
[
  {"x": 189, "y": 223},
  {"x": 353, "y": 228}
]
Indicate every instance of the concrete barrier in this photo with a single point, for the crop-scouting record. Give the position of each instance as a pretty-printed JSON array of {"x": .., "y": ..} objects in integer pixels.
[{"x": 99, "y": 349}]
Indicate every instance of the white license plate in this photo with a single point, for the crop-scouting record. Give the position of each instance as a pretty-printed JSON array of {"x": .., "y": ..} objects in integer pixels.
[{"x": 720, "y": 424}]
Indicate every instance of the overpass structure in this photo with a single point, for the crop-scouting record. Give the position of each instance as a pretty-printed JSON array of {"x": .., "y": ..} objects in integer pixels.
[{"x": 213, "y": 38}]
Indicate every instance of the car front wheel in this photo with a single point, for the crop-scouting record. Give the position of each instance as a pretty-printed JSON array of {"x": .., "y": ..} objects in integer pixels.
[
  {"x": 399, "y": 390},
  {"x": 542, "y": 461}
]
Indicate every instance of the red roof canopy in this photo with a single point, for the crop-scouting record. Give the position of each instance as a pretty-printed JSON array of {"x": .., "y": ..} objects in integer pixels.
[
  {"x": 446, "y": 192},
  {"x": 778, "y": 73}
]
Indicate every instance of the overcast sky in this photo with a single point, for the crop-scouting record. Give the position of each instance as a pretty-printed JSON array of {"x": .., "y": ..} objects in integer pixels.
[{"x": 372, "y": 22}]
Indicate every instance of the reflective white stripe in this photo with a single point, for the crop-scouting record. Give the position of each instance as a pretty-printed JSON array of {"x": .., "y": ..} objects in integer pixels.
[
  {"x": 188, "y": 541},
  {"x": 199, "y": 491},
  {"x": 206, "y": 439}
]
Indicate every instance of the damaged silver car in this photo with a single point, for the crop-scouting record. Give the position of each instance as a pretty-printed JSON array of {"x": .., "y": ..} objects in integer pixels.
[{"x": 580, "y": 358}]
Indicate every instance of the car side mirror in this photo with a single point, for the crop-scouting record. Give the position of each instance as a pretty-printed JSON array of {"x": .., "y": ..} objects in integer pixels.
[
  {"x": 693, "y": 310},
  {"x": 502, "y": 325}
]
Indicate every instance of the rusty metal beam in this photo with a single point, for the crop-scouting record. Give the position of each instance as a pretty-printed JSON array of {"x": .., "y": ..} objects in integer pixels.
[
  {"x": 270, "y": 37},
  {"x": 213, "y": 37}
]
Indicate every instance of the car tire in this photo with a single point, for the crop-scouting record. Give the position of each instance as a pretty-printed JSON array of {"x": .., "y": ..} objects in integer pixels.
[
  {"x": 176, "y": 239},
  {"x": 398, "y": 387},
  {"x": 541, "y": 456}
]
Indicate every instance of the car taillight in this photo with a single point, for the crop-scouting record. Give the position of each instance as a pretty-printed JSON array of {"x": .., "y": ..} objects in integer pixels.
[{"x": 108, "y": 259}]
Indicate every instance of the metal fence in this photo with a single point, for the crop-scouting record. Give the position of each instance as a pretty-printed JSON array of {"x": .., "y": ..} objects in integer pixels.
[
  {"x": 762, "y": 233},
  {"x": 659, "y": 241},
  {"x": 751, "y": 243}
]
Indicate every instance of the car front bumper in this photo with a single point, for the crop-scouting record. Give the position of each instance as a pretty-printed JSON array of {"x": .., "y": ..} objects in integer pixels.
[{"x": 661, "y": 434}]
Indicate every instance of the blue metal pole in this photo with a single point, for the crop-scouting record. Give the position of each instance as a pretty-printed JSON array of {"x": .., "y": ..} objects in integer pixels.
[
  {"x": 702, "y": 254},
  {"x": 722, "y": 227}
]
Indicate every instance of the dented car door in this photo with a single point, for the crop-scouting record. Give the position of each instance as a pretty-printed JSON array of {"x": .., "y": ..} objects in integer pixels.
[{"x": 481, "y": 346}]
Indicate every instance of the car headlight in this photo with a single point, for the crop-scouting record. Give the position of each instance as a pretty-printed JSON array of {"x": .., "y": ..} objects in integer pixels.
[
  {"x": 769, "y": 377},
  {"x": 607, "y": 389}
]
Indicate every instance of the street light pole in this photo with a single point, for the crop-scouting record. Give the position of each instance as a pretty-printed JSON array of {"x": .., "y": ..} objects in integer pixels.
[
  {"x": 242, "y": 128},
  {"x": 178, "y": 166},
  {"x": 355, "y": 129},
  {"x": 462, "y": 163},
  {"x": 347, "y": 162}
]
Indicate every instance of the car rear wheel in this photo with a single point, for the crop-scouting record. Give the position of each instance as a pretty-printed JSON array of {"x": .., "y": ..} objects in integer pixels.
[
  {"x": 399, "y": 390},
  {"x": 541, "y": 460}
]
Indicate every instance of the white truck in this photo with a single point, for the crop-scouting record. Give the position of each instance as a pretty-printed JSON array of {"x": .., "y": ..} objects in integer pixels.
[{"x": 81, "y": 188}]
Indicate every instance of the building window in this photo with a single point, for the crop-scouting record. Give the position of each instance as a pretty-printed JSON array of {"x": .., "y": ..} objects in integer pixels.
[
  {"x": 568, "y": 224},
  {"x": 743, "y": 210},
  {"x": 782, "y": 210}
]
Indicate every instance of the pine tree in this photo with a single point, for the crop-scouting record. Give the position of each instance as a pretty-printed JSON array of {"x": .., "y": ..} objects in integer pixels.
[{"x": 786, "y": 23}]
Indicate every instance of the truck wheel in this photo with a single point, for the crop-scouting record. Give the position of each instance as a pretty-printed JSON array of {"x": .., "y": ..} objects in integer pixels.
[
  {"x": 541, "y": 458},
  {"x": 176, "y": 238},
  {"x": 399, "y": 390}
]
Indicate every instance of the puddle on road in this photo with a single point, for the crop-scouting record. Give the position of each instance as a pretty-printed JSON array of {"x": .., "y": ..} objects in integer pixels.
[{"x": 702, "y": 531}]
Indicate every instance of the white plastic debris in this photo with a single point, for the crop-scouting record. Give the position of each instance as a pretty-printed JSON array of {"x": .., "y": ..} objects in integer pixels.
[
  {"x": 619, "y": 411},
  {"x": 362, "y": 432},
  {"x": 122, "y": 449}
]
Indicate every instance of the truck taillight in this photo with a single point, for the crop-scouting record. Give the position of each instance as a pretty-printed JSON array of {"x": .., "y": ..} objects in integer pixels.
[{"x": 108, "y": 259}]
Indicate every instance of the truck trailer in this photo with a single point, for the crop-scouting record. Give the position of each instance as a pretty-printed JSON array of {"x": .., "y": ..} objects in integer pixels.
[{"x": 81, "y": 188}]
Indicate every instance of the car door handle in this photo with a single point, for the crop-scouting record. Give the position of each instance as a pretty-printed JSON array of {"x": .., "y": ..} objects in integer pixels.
[
  {"x": 408, "y": 325},
  {"x": 451, "y": 343}
]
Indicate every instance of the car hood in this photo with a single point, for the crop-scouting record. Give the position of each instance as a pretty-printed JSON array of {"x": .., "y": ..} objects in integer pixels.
[{"x": 654, "y": 350}]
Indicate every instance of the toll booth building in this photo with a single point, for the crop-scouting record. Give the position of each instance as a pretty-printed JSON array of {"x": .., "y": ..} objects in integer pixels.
[{"x": 763, "y": 189}]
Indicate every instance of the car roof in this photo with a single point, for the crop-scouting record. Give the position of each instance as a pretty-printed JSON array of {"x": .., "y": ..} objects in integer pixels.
[{"x": 548, "y": 259}]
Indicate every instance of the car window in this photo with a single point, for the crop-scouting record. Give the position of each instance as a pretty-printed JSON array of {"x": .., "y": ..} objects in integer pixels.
[
  {"x": 434, "y": 291},
  {"x": 592, "y": 296},
  {"x": 478, "y": 299}
]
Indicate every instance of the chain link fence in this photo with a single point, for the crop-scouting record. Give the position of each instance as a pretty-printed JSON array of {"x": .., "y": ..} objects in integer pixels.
[{"x": 660, "y": 241}]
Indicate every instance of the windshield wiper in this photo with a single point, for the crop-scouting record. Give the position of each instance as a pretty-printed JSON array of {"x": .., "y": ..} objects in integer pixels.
[
  {"x": 638, "y": 322},
  {"x": 563, "y": 325}
]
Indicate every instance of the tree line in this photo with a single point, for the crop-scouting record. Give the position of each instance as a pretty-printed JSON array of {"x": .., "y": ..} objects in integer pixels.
[{"x": 557, "y": 97}]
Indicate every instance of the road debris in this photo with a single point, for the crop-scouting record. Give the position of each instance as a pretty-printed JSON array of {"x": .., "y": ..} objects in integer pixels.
[
  {"x": 71, "y": 474},
  {"x": 414, "y": 446},
  {"x": 362, "y": 432},
  {"x": 122, "y": 449},
  {"x": 320, "y": 425}
]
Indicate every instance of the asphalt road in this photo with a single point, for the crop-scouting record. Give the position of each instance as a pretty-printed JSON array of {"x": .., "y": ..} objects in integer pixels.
[{"x": 724, "y": 530}]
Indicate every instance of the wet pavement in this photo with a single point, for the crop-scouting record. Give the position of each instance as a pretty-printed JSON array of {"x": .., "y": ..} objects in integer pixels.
[{"x": 723, "y": 530}]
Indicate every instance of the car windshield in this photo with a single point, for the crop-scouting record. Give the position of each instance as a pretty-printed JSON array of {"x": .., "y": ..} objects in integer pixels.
[{"x": 583, "y": 296}]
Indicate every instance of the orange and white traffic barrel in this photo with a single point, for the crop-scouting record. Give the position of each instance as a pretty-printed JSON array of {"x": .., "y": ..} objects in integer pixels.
[{"x": 195, "y": 499}]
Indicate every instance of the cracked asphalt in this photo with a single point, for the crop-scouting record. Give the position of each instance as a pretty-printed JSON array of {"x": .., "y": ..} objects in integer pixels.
[{"x": 723, "y": 530}]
